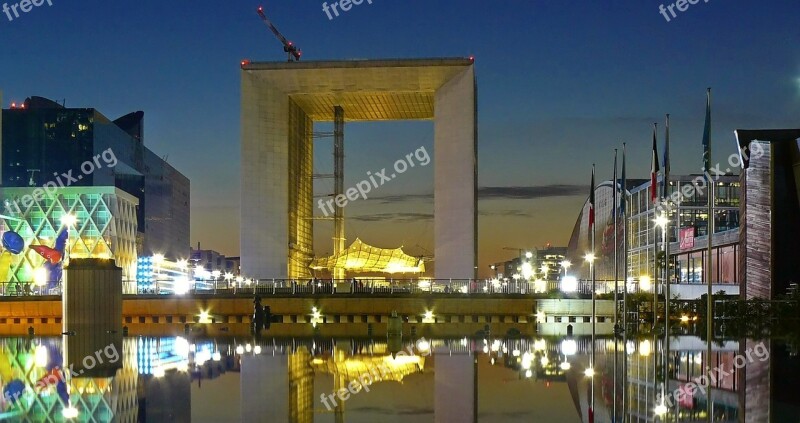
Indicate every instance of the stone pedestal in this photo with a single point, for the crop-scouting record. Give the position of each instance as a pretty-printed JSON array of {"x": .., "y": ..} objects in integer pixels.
[{"x": 92, "y": 316}]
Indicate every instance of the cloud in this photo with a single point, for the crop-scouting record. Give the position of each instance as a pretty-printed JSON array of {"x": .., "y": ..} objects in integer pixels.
[
  {"x": 506, "y": 213},
  {"x": 531, "y": 192},
  {"x": 390, "y": 199},
  {"x": 397, "y": 217},
  {"x": 408, "y": 411},
  {"x": 510, "y": 192}
]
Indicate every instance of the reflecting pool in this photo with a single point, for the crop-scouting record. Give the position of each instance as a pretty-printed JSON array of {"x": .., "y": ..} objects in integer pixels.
[{"x": 484, "y": 379}]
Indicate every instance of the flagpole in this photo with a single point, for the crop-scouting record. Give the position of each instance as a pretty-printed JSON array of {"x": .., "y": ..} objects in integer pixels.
[
  {"x": 710, "y": 226},
  {"x": 666, "y": 195},
  {"x": 594, "y": 295},
  {"x": 625, "y": 288},
  {"x": 616, "y": 289},
  {"x": 654, "y": 196}
]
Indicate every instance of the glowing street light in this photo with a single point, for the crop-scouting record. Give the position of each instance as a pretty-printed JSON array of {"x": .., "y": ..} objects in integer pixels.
[
  {"x": 590, "y": 258},
  {"x": 228, "y": 276},
  {"x": 589, "y": 372},
  {"x": 565, "y": 264},
  {"x": 661, "y": 220},
  {"x": 644, "y": 282},
  {"x": 528, "y": 255},
  {"x": 69, "y": 220},
  {"x": 158, "y": 258},
  {"x": 569, "y": 284},
  {"x": 40, "y": 276},
  {"x": 183, "y": 264}
]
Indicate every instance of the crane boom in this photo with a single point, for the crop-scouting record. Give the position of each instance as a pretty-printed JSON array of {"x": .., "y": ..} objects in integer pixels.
[{"x": 291, "y": 50}]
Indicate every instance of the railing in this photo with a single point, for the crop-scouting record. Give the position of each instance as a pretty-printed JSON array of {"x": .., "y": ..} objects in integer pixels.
[
  {"x": 27, "y": 289},
  {"x": 452, "y": 287},
  {"x": 289, "y": 287}
]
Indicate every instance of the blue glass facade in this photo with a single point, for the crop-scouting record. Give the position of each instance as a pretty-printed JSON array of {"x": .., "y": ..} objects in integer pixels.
[{"x": 45, "y": 144}]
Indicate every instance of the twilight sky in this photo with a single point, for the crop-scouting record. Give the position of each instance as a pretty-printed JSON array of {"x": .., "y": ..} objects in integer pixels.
[{"x": 560, "y": 85}]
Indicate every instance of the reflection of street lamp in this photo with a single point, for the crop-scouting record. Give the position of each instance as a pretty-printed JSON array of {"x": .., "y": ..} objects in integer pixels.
[
  {"x": 69, "y": 412},
  {"x": 660, "y": 221}
]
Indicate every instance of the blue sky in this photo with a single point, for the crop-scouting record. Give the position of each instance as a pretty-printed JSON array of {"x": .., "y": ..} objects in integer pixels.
[{"x": 560, "y": 85}]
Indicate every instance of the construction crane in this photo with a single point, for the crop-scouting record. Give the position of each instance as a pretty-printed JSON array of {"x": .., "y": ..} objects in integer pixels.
[{"x": 291, "y": 50}]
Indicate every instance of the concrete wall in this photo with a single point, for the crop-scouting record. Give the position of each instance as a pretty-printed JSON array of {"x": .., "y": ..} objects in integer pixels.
[
  {"x": 455, "y": 186},
  {"x": 265, "y": 186},
  {"x": 755, "y": 233}
]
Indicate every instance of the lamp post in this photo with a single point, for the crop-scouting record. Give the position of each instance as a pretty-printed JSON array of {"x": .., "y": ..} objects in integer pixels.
[
  {"x": 661, "y": 221},
  {"x": 590, "y": 257},
  {"x": 565, "y": 264}
]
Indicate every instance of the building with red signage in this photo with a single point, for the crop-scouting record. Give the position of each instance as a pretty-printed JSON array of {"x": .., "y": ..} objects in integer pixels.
[{"x": 687, "y": 230}]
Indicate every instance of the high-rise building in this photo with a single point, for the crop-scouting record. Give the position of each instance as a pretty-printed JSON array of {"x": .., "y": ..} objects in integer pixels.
[{"x": 45, "y": 144}]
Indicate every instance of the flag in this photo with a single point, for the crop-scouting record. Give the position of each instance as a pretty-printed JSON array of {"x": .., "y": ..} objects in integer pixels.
[
  {"x": 654, "y": 168},
  {"x": 624, "y": 189},
  {"x": 707, "y": 135},
  {"x": 664, "y": 180},
  {"x": 616, "y": 189},
  {"x": 591, "y": 203}
]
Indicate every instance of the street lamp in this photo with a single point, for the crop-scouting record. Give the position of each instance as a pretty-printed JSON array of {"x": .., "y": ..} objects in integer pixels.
[
  {"x": 565, "y": 264},
  {"x": 528, "y": 255},
  {"x": 644, "y": 282},
  {"x": 69, "y": 220}
]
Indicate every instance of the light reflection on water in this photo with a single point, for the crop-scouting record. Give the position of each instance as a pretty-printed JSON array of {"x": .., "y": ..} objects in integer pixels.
[{"x": 304, "y": 380}]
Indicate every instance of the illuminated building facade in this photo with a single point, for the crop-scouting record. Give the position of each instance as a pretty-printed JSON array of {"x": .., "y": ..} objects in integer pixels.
[
  {"x": 105, "y": 227},
  {"x": 280, "y": 104},
  {"x": 43, "y": 142},
  {"x": 687, "y": 259}
]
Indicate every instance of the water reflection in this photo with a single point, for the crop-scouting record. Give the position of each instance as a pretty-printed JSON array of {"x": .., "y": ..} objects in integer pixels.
[{"x": 356, "y": 380}]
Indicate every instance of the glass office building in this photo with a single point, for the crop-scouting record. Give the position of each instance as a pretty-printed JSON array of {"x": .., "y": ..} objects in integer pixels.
[
  {"x": 46, "y": 144},
  {"x": 687, "y": 259}
]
